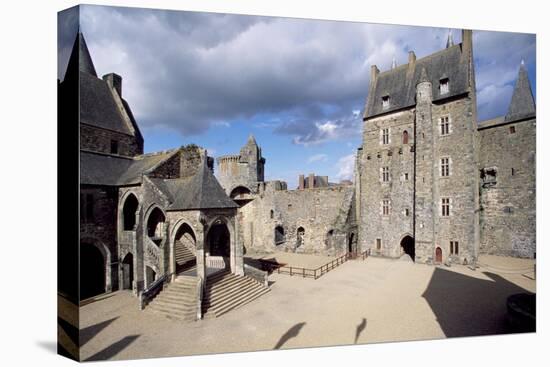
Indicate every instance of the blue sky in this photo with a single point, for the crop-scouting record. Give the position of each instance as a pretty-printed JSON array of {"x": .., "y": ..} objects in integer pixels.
[{"x": 298, "y": 85}]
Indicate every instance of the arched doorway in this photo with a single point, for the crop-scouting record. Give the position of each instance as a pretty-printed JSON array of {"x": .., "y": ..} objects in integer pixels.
[
  {"x": 218, "y": 239},
  {"x": 92, "y": 271},
  {"x": 407, "y": 244},
  {"x": 184, "y": 247},
  {"x": 128, "y": 271},
  {"x": 350, "y": 242},
  {"x": 279, "y": 235},
  {"x": 328, "y": 239},
  {"x": 129, "y": 212},
  {"x": 155, "y": 226},
  {"x": 438, "y": 255},
  {"x": 300, "y": 233}
]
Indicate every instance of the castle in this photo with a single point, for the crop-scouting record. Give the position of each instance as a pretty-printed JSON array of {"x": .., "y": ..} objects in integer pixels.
[{"x": 431, "y": 182}]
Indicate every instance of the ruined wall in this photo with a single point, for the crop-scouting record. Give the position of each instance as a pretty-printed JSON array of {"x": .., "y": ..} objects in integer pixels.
[
  {"x": 317, "y": 211},
  {"x": 99, "y": 140},
  {"x": 508, "y": 202}
]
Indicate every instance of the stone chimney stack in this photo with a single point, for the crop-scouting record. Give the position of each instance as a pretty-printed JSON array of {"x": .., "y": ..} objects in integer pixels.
[
  {"x": 301, "y": 183},
  {"x": 412, "y": 57},
  {"x": 373, "y": 74},
  {"x": 114, "y": 81}
]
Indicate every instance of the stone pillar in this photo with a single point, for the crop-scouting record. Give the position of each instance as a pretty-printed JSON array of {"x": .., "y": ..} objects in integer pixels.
[
  {"x": 237, "y": 263},
  {"x": 301, "y": 183},
  {"x": 201, "y": 266},
  {"x": 172, "y": 256}
]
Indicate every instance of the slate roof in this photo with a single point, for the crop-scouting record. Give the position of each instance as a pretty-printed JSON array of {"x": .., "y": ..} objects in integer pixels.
[
  {"x": 80, "y": 58},
  {"x": 400, "y": 83},
  {"x": 111, "y": 170},
  {"x": 201, "y": 191},
  {"x": 522, "y": 105}
]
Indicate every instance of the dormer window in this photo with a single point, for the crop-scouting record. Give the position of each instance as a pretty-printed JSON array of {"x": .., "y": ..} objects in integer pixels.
[
  {"x": 444, "y": 86},
  {"x": 114, "y": 147},
  {"x": 386, "y": 102}
]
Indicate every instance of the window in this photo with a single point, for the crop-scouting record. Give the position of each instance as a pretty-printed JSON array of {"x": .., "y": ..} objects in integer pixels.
[
  {"x": 513, "y": 172},
  {"x": 445, "y": 207},
  {"x": 405, "y": 137},
  {"x": 114, "y": 147},
  {"x": 444, "y": 126},
  {"x": 444, "y": 169},
  {"x": 385, "y": 136},
  {"x": 386, "y": 207},
  {"x": 489, "y": 176},
  {"x": 453, "y": 250},
  {"x": 300, "y": 236},
  {"x": 386, "y": 102},
  {"x": 271, "y": 214},
  {"x": 378, "y": 244},
  {"x": 406, "y": 176},
  {"x": 512, "y": 129},
  {"x": 406, "y": 212},
  {"x": 444, "y": 86},
  {"x": 385, "y": 174}
]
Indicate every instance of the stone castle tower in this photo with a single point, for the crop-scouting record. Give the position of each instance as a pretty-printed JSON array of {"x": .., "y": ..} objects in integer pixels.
[
  {"x": 240, "y": 173},
  {"x": 417, "y": 184}
]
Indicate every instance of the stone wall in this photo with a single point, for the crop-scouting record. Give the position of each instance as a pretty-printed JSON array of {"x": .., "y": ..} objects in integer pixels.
[
  {"x": 317, "y": 211},
  {"x": 99, "y": 140},
  {"x": 508, "y": 200}
]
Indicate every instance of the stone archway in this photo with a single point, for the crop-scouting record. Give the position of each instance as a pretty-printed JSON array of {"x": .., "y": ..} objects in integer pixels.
[
  {"x": 407, "y": 244},
  {"x": 129, "y": 210},
  {"x": 94, "y": 269},
  {"x": 128, "y": 271},
  {"x": 438, "y": 255},
  {"x": 185, "y": 242},
  {"x": 218, "y": 239},
  {"x": 350, "y": 243}
]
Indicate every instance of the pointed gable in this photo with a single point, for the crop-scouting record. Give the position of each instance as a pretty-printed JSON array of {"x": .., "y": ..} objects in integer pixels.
[
  {"x": 522, "y": 105},
  {"x": 80, "y": 58}
]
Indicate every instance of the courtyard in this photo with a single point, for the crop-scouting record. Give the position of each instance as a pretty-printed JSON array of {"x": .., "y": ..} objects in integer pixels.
[{"x": 370, "y": 301}]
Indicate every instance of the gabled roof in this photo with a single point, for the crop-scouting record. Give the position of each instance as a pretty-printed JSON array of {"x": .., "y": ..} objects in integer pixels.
[
  {"x": 522, "y": 105},
  {"x": 201, "y": 191},
  {"x": 400, "y": 83},
  {"x": 80, "y": 58},
  {"x": 112, "y": 170}
]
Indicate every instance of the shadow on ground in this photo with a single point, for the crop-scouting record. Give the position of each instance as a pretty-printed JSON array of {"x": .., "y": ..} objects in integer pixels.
[
  {"x": 291, "y": 333},
  {"x": 360, "y": 328},
  {"x": 113, "y": 349},
  {"x": 467, "y": 306}
]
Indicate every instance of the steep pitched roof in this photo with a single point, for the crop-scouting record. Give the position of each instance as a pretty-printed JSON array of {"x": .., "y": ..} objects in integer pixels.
[
  {"x": 80, "y": 58},
  {"x": 201, "y": 191},
  {"x": 522, "y": 105},
  {"x": 400, "y": 83},
  {"x": 111, "y": 170}
]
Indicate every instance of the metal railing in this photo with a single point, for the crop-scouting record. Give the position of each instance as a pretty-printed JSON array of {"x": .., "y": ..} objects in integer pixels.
[
  {"x": 153, "y": 289},
  {"x": 272, "y": 266}
]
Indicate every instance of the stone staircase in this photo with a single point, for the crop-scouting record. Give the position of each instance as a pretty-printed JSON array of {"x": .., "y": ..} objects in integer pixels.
[
  {"x": 183, "y": 254},
  {"x": 225, "y": 292},
  {"x": 178, "y": 299}
]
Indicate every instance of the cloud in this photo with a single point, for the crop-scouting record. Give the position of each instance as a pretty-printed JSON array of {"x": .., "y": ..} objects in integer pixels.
[
  {"x": 189, "y": 71},
  {"x": 346, "y": 167},
  {"x": 318, "y": 158}
]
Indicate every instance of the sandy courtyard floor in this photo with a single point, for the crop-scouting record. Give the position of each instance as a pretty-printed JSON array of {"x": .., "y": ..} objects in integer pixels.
[{"x": 369, "y": 301}]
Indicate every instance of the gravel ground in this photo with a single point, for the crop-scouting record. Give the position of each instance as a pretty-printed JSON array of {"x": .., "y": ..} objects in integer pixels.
[{"x": 376, "y": 300}]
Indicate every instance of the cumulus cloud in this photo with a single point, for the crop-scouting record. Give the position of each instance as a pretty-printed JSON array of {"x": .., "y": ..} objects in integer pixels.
[
  {"x": 189, "y": 71},
  {"x": 346, "y": 167}
]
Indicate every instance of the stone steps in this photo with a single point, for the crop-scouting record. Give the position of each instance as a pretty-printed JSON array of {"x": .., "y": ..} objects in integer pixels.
[
  {"x": 225, "y": 292},
  {"x": 183, "y": 254},
  {"x": 178, "y": 300}
]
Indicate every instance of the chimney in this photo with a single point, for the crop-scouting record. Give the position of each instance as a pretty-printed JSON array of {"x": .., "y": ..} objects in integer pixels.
[
  {"x": 373, "y": 73},
  {"x": 311, "y": 181},
  {"x": 114, "y": 81},
  {"x": 301, "y": 183},
  {"x": 412, "y": 57},
  {"x": 466, "y": 41}
]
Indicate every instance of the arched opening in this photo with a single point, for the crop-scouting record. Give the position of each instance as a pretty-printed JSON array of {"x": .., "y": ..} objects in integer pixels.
[
  {"x": 407, "y": 244},
  {"x": 239, "y": 192},
  {"x": 405, "y": 137},
  {"x": 350, "y": 242},
  {"x": 328, "y": 239},
  {"x": 300, "y": 233},
  {"x": 184, "y": 247},
  {"x": 218, "y": 239},
  {"x": 129, "y": 212},
  {"x": 92, "y": 271},
  {"x": 128, "y": 271},
  {"x": 279, "y": 235},
  {"x": 438, "y": 255},
  {"x": 150, "y": 276},
  {"x": 155, "y": 226}
]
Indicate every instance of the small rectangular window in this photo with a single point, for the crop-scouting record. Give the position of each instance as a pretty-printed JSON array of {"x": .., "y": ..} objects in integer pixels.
[
  {"x": 385, "y": 207},
  {"x": 386, "y": 102},
  {"x": 406, "y": 176},
  {"x": 445, "y": 207},
  {"x": 512, "y": 129},
  {"x": 378, "y": 243},
  {"x": 385, "y": 174},
  {"x": 444, "y": 86},
  {"x": 444, "y": 125},
  {"x": 385, "y": 136},
  {"x": 445, "y": 167},
  {"x": 406, "y": 212},
  {"x": 114, "y": 147},
  {"x": 453, "y": 250},
  {"x": 513, "y": 172}
]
